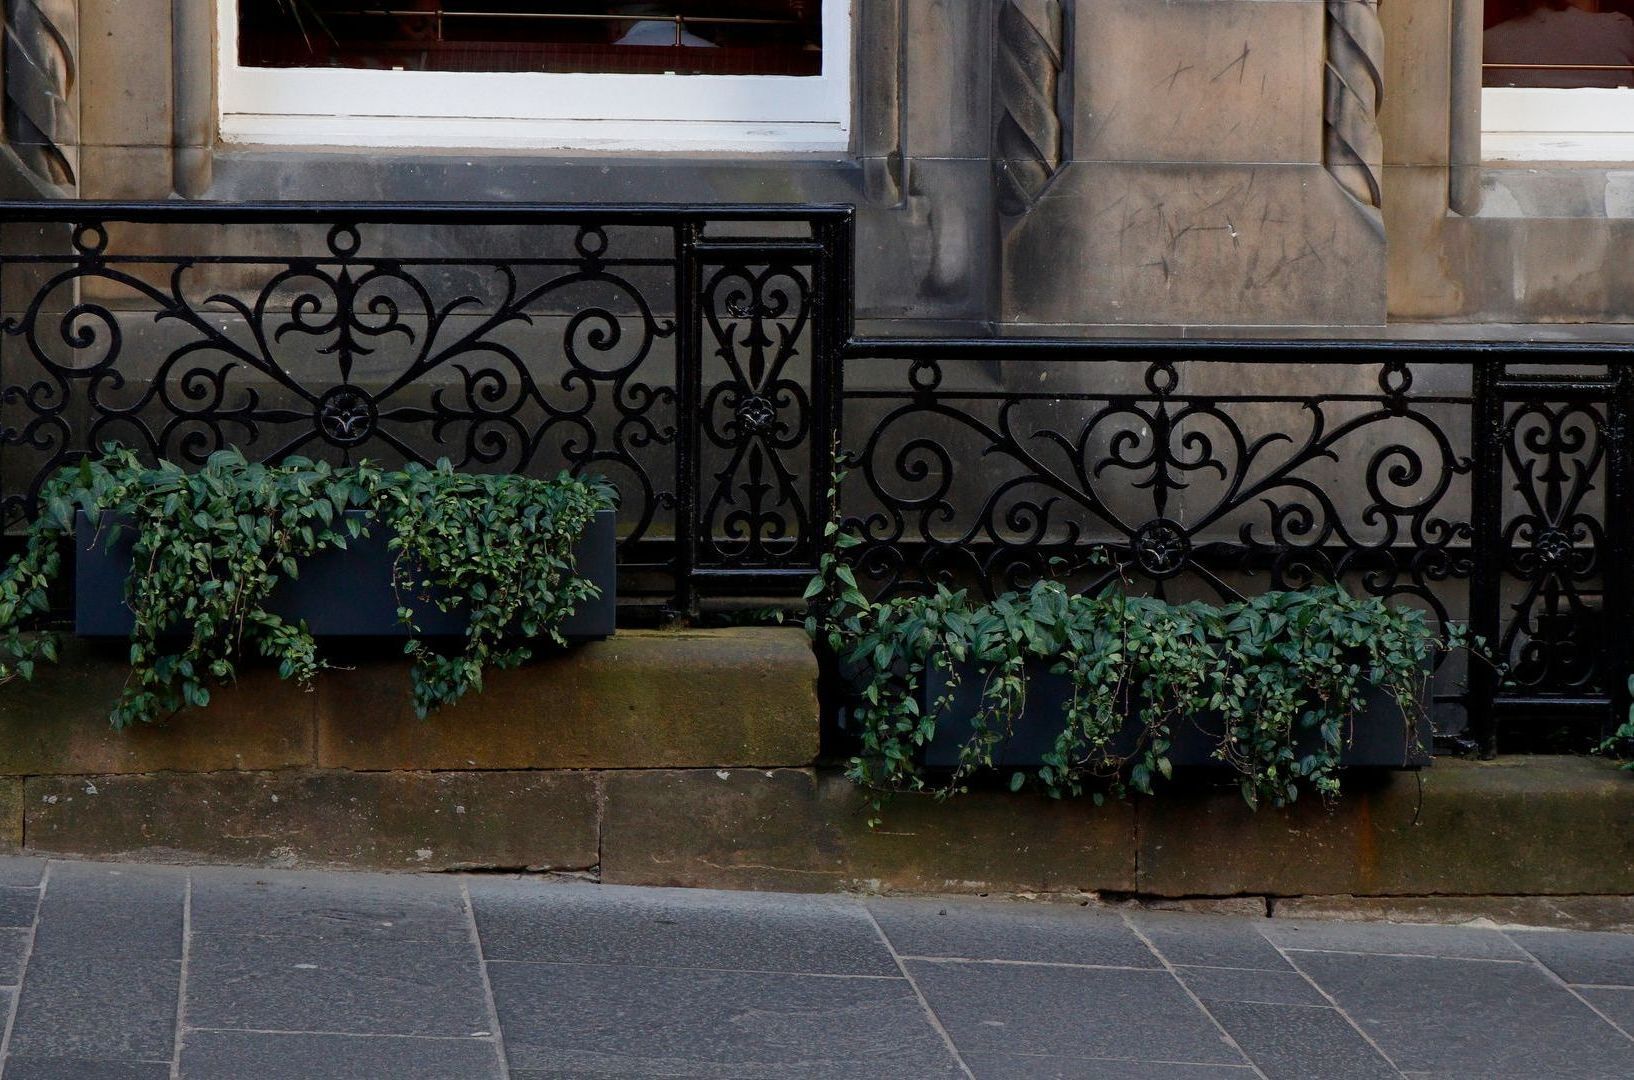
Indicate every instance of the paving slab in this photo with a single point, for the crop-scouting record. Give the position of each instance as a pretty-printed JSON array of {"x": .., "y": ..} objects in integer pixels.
[
  {"x": 17, "y": 870},
  {"x": 331, "y": 907},
  {"x": 1038, "y": 1067},
  {"x": 621, "y": 1021},
  {"x": 1592, "y": 959},
  {"x": 23, "y": 1068},
  {"x": 1247, "y": 984},
  {"x": 276, "y": 984},
  {"x": 318, "y": 975},
  {"x": 100, "y": 1008},
  {"x": 686, "y": 928},
  {"x": 1298, "y": 1043},
  {"x": 1558, "y": 912},
  {"x": 1471, "y": 1018},
  {"x": 14, "y": 943},
  {"x": 18, "y": 905},
  {"x": 236, "y": 1055},
  {"x": 1069, "y": 1012},
  {"x": 1392, "y": 938},
  {"x": 102, "y": 912},
  {"x": 1209, "y": 941},
  {"x": 1000, "y": 930},
  {"x": 1615, "y": 1005}
]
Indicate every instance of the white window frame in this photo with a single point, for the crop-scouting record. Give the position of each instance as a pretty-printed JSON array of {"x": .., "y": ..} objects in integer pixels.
[
  {"x": 536, "y": 110},
  {"x": 1551, "y": 124}
]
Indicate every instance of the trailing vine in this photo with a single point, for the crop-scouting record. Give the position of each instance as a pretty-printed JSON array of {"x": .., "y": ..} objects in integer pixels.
[
  {"x": 501, "y": 545},
  {"x": 1620, "y": 743},
  {"x": 211, "y": 547},
  {"x": 1279, "y": 680}
]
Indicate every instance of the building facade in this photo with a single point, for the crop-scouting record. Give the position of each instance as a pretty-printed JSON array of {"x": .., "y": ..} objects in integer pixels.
[
  {"x": 1018, "y": 166},
  {"x": 904, "y": 227}
]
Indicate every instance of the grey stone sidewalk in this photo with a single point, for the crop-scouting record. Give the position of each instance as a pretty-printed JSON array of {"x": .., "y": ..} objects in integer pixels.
[{"x": 117, "y": 971}]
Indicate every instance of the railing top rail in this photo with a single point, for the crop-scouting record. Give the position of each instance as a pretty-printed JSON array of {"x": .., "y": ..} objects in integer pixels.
[
  {"x": 1233, "y": 350},
  {"x": 403, "y": 213}
]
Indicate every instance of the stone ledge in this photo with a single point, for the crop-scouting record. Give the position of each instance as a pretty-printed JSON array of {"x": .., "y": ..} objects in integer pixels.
[
  {"x": 807, "y": 830},
  {"x": 58, "y": 723},
  {"x": 642, "y": 699},
  {"x": 639, "y": 700},
  {"x": 1518, "y": 825},
  {"x": 387, "y": 821}
]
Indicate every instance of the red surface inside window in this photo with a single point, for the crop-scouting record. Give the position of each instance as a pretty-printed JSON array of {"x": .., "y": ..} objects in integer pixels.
[
  {"x": 1559, "y": 43},
  {"x": 687, "y": 37}
]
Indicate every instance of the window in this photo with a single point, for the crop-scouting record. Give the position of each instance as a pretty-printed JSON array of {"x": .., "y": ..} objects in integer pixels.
[
  {"x": 1557, "y": 78},
  {"x": 682, "y": 74}
]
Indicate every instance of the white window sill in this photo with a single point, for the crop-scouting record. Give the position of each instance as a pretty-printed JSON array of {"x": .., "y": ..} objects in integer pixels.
[
  {"x": 410, "y": 133},
  {"x": 1550, "y": 146}
]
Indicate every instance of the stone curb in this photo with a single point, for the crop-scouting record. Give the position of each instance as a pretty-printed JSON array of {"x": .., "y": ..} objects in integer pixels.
[{"x": 1543, "y": 827}]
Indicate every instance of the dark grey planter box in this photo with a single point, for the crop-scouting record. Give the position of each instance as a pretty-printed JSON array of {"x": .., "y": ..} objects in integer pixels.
[
  {"x": 340, "y": 593},
  {"x": 1377, "y": 739}
]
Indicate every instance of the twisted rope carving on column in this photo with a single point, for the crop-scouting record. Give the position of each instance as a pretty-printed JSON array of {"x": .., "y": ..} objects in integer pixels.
[
  {"x": 40, "y": 121},
  {"x": 1026, "y": 76},
  {"x": 1352, "y": 147}
]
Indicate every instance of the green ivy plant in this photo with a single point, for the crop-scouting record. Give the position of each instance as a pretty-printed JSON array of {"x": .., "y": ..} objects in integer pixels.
[
  {"x": 1620, "y": 743},
  {"x": 211, "y": 546},
  {"x": 502, "y": 546},
  {"x": 1283, "y": 675}
]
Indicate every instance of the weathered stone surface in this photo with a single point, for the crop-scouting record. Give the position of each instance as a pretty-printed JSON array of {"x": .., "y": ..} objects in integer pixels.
[
  {"x": 947, "y": 95},
  {"x": 1415, "y": 112},
  {"x": 1193, "y": 244},
  {"x": 1542, "y": 249},
  {"x": 1420, "y": 283},
  {"x": 125, "y": 172},
  {"x": 1545, "y": 825},
  {"x": 701, "y": 698},
  {"x": 58, "y": 723},
  {"x": 803, "y": 830},
  {"x": 1228, "y": 81},
  {"x": 125, "y": 93},
  {"x": 400, "y": 821},
  {"x": 1552, "y": 828},
  {"x": 11, "y": 814},
  {"x": 1525, "y": 268}
]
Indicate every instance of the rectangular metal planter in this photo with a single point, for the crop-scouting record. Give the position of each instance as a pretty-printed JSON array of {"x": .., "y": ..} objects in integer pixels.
[
  {"x": 340, "y": 593},
  {"x": 1377, "y": 739}
]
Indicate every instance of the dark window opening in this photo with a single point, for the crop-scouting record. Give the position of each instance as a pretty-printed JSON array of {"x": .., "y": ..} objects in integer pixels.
[
  {"x": 1559, "y": 43},
  {"x": 686, "y": 37}
]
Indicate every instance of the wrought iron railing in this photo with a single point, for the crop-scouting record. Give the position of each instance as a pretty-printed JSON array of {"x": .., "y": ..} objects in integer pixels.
[
  {"x": 1485, "y": 483},
  {"x": 701, "y": 359},
  {"x": 669, "y": 349}
]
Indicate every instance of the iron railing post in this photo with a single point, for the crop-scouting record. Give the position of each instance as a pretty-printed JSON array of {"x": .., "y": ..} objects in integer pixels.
[
  {"x": 1486, "y": 522},
  {"x": 688, "y": 391}
]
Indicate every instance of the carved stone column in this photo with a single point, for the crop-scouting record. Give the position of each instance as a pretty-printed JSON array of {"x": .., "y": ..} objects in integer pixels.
[
  {"x": 1027, "y": 120},
  {"x": 1352, "y": 147},
  {"x": 41, "y": 113}
]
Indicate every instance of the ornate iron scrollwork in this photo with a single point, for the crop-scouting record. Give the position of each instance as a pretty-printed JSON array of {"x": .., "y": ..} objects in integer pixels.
[
  {"x": 756, "y": 418},
  {"x": 395, "y": 336},
  {"x": 999, "y": 487},
  {"x": 1555, "y": 456}
]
